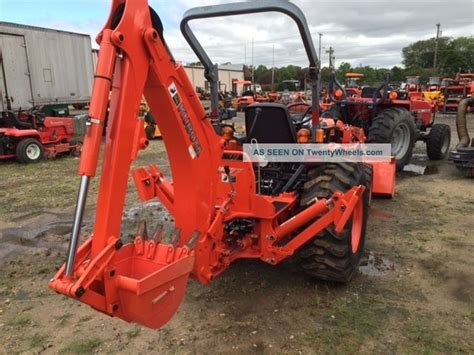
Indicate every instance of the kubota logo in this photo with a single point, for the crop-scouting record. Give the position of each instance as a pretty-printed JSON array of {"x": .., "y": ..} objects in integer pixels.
[{"x": 195, "y": 149}]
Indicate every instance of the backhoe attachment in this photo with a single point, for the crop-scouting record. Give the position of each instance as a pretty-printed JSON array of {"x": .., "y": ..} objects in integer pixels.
[
  {"x": 143, "y": 281},
  {"x": 213, "y": 196}
]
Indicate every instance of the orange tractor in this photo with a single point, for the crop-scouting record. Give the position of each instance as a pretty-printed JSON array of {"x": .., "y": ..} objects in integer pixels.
[
  {"x": 248, "y": 97},
  {"x": 224, "y": 208},
  {"x": 432, "y": 91},
  {"x": 352, "y": 84},
  {"x": 394, "y": 117},
  {"x": 454, "y": 90},
  {"x": 413, "y": 85}
]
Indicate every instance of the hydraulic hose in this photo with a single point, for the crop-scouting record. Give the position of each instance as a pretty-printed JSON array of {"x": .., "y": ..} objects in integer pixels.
[{"x": 461, "y": 122}]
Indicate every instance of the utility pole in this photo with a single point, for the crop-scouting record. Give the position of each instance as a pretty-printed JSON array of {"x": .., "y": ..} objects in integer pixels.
[
  {"x": 245, "y": 53},
  {"x": 319, "y": 54},
  {"x": 273, "y": 66},
  {"x": 332, "y": 58},
  {"x": 253, "y": 69},
  {"x": 435, "y": 61},
  {"x": 319, "y": 66}
]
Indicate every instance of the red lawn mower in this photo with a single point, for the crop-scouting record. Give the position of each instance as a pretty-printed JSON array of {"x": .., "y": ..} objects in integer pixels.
[{"x": 31, "y": 136}]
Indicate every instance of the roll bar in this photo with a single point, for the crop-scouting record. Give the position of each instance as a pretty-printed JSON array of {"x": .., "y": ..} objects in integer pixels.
[{"x": 241, "y": 8}]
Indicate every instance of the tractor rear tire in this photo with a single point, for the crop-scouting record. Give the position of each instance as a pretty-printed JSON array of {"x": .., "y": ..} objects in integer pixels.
[
  {"x": 29, "y": 150},
  {"x": 395, "y": 125},
  {"x": 150, "y": 131},
  {"x": 438, "y": 141},
  {"x": 332, "y": 256}
]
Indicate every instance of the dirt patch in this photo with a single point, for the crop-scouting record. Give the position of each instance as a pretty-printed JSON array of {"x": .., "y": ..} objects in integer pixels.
[{"x": 414, "y": 294}]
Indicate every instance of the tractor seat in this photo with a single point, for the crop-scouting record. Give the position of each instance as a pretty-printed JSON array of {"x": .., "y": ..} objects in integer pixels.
[
  {"x": 273, "y": 124},
  {"x": 11, "y": 120}
]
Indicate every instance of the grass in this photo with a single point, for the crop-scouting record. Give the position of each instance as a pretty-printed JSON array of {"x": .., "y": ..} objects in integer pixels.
[
  {"x": 350, "y": 325},
  {"x": 19, "y": 321},
  {"x": 470, "y": 315},
  {"x": 85, "y": 319},
  {"x": 134, "y": 333},
  {"x": 346, "y": 325},
  {"x": 62, "y": 319},
  {"x": 38, "y": 341},
  {"x": 36, "y": 186},
  {"x": 425, "y": 337},
  {"x": 27, "y": 190},
  {"x": 82, "y": 346}
]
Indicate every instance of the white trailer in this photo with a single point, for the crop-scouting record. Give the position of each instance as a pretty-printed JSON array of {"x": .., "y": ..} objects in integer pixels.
[{"x": 40, "y": 66}]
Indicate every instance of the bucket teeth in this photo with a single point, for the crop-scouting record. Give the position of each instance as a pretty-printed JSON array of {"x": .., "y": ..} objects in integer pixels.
[
  {"x": 194, "y": 238},
  {"x": 158, "y": 235},
  {"x": 175, "y": 237},
  {"x": 142, "y": 230}
]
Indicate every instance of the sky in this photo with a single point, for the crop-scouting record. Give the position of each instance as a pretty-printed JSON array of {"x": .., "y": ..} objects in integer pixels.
[{"x": 362, "y": 32}]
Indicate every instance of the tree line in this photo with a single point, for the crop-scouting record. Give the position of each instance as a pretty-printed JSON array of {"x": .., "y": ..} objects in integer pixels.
[{"x": 454, "y": 55}]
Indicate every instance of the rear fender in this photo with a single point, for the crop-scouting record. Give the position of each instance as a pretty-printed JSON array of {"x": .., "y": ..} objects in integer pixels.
[{"x": 383, "y": 178}]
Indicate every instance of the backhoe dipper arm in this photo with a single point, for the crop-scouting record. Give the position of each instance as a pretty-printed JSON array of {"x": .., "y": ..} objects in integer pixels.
[
  {"x": 251, "y": 7},
  {"x": 144, "y": 65},
  {"x": 134, "y": 61}
]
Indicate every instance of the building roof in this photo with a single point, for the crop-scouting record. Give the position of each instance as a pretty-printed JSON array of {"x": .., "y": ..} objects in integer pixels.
[{"x": 36, "y": 28}]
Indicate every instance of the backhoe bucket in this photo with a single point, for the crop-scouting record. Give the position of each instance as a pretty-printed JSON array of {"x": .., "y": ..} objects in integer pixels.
[{"x": 142, "y": 282}]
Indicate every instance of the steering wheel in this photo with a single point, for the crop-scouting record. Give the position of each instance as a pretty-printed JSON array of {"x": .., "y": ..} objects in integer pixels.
[{"x": 303, "y": 120}]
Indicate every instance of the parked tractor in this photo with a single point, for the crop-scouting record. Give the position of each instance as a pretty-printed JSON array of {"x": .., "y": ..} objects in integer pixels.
[
  {"x": 352, "y": 84},
  {"x": 151, "y": 128},
  {"x": 223, "y": 207},
  {"x": 455, "y": 90},
  {"x": 391, "y": 116},
  {"x": 432, "y": 92},
  {"x": 31, "y": 136},
  {"x": 413, "y": 85},
  {"x": 291, "y": 92},
  {"x": 249, "y": 95}
]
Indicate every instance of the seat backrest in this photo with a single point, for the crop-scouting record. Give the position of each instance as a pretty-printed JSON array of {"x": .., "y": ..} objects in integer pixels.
[
  {"x": 10, "y": 120},
  {"x": 273, "y": 124}
]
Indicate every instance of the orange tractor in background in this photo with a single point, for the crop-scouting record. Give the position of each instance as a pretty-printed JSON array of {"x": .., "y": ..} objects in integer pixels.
[
  {"x": 413, "y": 85},
  {"x": 432, "y": 91},
  {"x": 454, "y": 90},
  {"x": 352, "y": 84},
  {"x": 248, "y": 97},
  {"x": 394, "y": 117},
  {"x": 224, "y": 208}
]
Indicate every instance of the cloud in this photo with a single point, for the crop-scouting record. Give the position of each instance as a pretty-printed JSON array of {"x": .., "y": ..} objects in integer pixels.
[
  {"x": 368, "y": 32},
  {"x": 371, "y": 32}
]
